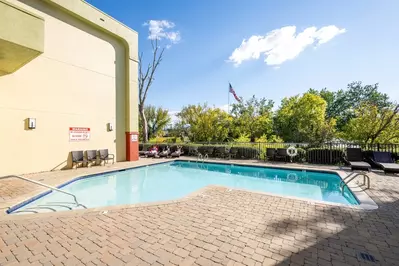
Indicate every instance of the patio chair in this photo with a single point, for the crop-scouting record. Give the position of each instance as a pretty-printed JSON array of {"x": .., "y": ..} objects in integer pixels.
[
  {"x": 193, "y": 151},
  {"x": 233, "y": 152},
  {"x": 354, "y": 157},
  {"x": 144, "y": 151},
  {"x": 270, "y": 154},
  {"x": 220, "y": 152},
  {"x": 385, "y": 162},
  {"x": 227, "y": 154},
  {"x": 91, "y": 156},
  {"x": 153, "y": 152},
  {"x": 165, "y": 153},
  {"x": 176, "y": 152},
  {"x": 77, "y": 158},
  {"x": 281, "y": 154},
  {"x": 209, "y": 151},
  {"x": 105, "y": 156}
]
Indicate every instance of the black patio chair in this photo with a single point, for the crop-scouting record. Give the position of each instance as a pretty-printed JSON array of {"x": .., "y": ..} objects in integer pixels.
[
  {"x": 354, "y": 157},
  {"x": 220, "y": 152},
  {"x": 105, "y": 156},
  {"x": 77, "y": 158},
  {"x": 270, "y": 154},
  {"x": 281, "y": 154},
  {"x": 209, "y": 151},
  {"x": 385, "y": 161},
  {"x": 91, "y": 156},
  {"x": 193, "y": 151},
  {"x": 233, "y": 152}
]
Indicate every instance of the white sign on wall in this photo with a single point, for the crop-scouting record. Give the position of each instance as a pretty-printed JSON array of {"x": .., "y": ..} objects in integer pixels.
[
  {"x": 134, "y": 138},
  {"x": 79, "y": 133}
]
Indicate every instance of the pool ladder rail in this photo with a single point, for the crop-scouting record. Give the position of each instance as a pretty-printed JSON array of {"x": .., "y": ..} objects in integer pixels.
[
  {"x": 344, "y": 183},
  {"x": 50, "y": 205},
  {"x": 202, "y": 158}
]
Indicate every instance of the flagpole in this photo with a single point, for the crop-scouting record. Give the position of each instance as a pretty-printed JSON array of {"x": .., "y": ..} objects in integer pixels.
[{"x": 228, "y": 100}]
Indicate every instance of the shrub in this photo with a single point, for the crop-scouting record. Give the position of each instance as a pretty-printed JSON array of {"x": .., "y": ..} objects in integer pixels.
[{"x": 242, "y": 138}]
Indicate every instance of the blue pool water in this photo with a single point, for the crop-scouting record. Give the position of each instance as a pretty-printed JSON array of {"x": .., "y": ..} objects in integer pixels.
[{"x": 177, "y": 179}]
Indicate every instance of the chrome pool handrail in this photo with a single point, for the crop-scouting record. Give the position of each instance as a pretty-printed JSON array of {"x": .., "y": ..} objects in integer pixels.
[
  {"x": 352, "y": 176},
  {"x": 44, "y": 185}
]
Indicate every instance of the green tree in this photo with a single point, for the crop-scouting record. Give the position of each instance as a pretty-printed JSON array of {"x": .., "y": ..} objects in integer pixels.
[
  {"x": 204, "y": 123},
  {"x": 253, "y": 118},
  {"x": 329, "y": 97},
  {"x": 373, "y": 124},
  {"x": 157, "y": 120},
  {"x": 342, "y": 104},
  {"x": 179, "y": 130},
  {"x": 303, "y": 119}
]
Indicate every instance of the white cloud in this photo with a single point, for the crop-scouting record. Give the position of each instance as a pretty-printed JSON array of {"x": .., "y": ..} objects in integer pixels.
[
  {"x": 225, "y": 107},
  {"x": 173, "y": 116},
  {"x": 162, "y": 29},
  {"x": 282, "y": 44}
]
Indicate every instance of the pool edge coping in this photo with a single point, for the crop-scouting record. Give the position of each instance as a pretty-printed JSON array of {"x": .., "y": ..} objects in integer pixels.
[{"x": 364, "y": 200}]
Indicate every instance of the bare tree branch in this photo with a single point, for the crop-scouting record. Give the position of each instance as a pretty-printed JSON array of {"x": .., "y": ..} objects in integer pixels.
[{"x": 146, "y": 77}]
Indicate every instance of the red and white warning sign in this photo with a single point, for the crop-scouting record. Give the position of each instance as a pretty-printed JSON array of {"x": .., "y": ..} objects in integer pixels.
[{"x": 79, "y": 133}]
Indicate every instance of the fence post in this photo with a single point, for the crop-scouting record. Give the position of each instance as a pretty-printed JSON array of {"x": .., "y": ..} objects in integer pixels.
[
  {"x": 331, "y": 157},
  {"x": 378, "y": 146},
  {"x": 259, "y": 151}
]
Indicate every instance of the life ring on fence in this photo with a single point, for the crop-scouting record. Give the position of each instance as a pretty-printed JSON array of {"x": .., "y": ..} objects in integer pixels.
[
  {"x": 292, "y": 177},
  {"x": 292, "y": 151}
]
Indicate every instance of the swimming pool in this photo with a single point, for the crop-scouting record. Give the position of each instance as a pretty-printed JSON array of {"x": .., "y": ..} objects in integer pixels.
[{"x": 174, "y": 180}]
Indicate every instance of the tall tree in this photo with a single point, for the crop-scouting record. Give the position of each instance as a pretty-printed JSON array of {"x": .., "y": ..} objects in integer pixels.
[
  {"x": 204, "y": 123},
  {"x": 329, "y": 97},
  {"x": 146, "y": 77},
  {"x": 303, "y": 119},
  {"x": 342, "y": 104},
  {"x": 157, "y": 120},
  {"x": 253, "y": 117},
  {"x": 373, "y": 124}
]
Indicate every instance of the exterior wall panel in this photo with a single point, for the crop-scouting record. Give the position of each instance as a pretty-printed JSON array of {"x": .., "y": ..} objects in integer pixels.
[{"x": 79, "y": 81}]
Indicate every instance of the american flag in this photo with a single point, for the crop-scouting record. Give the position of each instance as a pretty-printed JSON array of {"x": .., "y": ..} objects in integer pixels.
[{"x": 232, "y": 91}]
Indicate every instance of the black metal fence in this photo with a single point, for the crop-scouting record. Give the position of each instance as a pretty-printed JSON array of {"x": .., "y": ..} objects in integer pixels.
[{"x": 326, "y": 153}]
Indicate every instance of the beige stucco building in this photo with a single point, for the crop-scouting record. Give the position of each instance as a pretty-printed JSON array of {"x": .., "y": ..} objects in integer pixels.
[{"x": 64, "y": 65}]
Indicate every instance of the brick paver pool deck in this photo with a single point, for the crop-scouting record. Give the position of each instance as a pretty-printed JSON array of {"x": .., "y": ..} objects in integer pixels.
[{"x": 214, "y": 226}]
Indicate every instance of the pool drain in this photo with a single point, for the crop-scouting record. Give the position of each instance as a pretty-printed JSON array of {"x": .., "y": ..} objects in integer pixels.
[{"x": 367, "y": 257}]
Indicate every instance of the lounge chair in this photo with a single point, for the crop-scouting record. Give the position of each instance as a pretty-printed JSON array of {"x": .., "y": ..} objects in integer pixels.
[
  {"x": 144, "y": 151},
  {"x": 385, "y": 162},
  {"x": 176, "y": 152},
  {"x": 281, "y": 154},
  {"x": 270, "y": 154},
  {"x": 77, "y": 158},
  {"x": 354, "y": 157},
  {"x": 91, "y": 156},
  {"x": 105, "y": 156},
  {"x": 153, "y": 152},
  {"x": 165, "y": 153}
]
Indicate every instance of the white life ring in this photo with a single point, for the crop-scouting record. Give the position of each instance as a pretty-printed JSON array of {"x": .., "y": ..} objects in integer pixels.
[{"x": 292, "y": 151}]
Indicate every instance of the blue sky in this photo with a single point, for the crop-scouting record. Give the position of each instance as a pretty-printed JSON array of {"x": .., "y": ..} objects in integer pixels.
[{"x": 360, "y": 44}]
